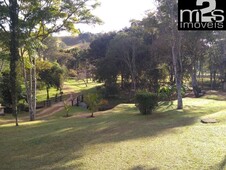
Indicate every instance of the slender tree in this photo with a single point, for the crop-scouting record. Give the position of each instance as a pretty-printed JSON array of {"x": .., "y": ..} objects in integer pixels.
[{"x": 167, "y": 14}]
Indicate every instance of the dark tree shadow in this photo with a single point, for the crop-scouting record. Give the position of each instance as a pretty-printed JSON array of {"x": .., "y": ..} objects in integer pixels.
[
  {"x": 221, "y": 165},
  {"x": 74, "y": 134},
  {"x": 140, "y": 167}
]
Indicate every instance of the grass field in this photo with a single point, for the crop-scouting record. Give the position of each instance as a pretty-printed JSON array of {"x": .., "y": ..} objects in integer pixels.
[
  {"x": 80, "y": 85},
  {"x": 70, "y": 86},
  {"x": 41, "y": 94},
  {"x": 120, "y": 139}
]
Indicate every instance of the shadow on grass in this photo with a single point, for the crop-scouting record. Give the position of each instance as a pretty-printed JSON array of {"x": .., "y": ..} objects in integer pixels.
[
  {"x": 222, "y": 164},
  {"x": 215, "y": 95},
  {"x": 120, "y": 124},
  {"x": 59, "y": 143},
  {"x": 129, "y": 127},
  {"x": 140, "y": 167},
  {"x": 42, "y": 146}
]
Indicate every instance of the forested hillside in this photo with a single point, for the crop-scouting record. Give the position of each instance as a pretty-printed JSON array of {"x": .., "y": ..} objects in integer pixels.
[{"x": 81, "y": 41}]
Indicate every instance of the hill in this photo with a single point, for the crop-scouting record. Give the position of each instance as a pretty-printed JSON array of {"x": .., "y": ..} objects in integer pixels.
[{"x": 81, "y": 41}]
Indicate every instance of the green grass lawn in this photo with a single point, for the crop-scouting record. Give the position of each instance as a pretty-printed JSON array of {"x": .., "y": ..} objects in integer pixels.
[
  {"x": 41, "y": 94},
  {"x": 70, "y": 86},
  {"x": 120, "y": 139},
  {"x": 80, "y": 85}
]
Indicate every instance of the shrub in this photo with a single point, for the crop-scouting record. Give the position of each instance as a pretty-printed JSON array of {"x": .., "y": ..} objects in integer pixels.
[
  {"x": 169, "y": 92},
  {"x": 23, "y": 107},
  {"x": 72, "y": 73},
  {"x": 93, "y": 102},
  {"x": 166, "y": 92},
  {"x": 110, "y": 91},
  {"x": 5, "y": 89},
  {"x": 103, "y": 102},
  {"x": 146, "y": 102},
  {"x": 104, "y": 105}
]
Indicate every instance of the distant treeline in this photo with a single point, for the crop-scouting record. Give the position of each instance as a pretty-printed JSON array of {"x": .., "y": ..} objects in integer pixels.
[{"x": 82, "y": 38}]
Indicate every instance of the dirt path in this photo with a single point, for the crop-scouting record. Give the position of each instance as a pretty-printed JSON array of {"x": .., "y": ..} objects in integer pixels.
[
  {"x": 49, "y": 111},
  {"x": 44, "y": 113}
]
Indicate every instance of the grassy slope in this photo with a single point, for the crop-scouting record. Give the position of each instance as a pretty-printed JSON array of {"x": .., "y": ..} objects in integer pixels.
[
  {"x": 79, "y": 85},
  {"x": 69, "y": 86},
  {"x": 79, "y": 46},
  {"x": 41, "y": 94},
  {"x": 121, "y": 139}
]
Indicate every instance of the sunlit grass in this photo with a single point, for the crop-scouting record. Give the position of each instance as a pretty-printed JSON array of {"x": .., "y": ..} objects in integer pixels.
[
  {"x": 22, "y": 123},
  {"x": 42, "y": 94},
  {"x": 70, "y": 86},
  {"x": 121, "y": 138},
  {"x": 80, "y": 85}
]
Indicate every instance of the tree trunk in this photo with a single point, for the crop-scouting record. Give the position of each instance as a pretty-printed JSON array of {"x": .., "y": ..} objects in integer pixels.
[
  {"x": 211, "y": 79},
  {"x": 31, "y": 109},
  {"x": 2, "y": 65},
  {"x": 179, "y": 72},
  {"x": 172, "y": 80},
  {"x": 33, "y": 92},
  {"x": 14, "y": 54},
  {"x": 195, "y": 86},
  {"x": 122, "y": 81},
  {"x": 177, "y": 77},
  {"x": 177, "y": 63},
  {"x": 92, "y": 115},
  {"x": 47, "y": 93},
  {"x": 201, "y": 74},
  {"x": 214, "y": 79},
  {"x": 211, "y": 73},
  {"x": 27, "y": 87},
  {"x": 178, "y": 86},
  {"x": 134, "y": 69},
  {"x": 179, "y": 93},
  {"x": 134, "y": 86}
]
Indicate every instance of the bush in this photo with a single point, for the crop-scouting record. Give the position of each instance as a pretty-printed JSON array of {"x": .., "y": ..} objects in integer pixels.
[
  {"x": 5, "y": 89},
  {"x": 23, "y": 107},
  {"x": 93, "y": 102},
  {"x": 166, "y": 92},
  {"x": 72, "y": 73},
  {"x": 110, "y": 91},
  {"x": 170, "y": 92},
  {"x": 104, "y": 105},
  {"x": 146, "y": 102}
]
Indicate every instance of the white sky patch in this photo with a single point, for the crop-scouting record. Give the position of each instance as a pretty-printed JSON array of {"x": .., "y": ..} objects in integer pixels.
[{"x": 116, "y": 14}]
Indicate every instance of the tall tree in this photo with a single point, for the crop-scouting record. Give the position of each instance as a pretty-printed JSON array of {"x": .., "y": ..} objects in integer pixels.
[
  {"x": 194, "y": 49},
  {"x": 51, "y": 74},
  {"x": 14, "y": 53},
  {"x": 167, "y": 14},
  {"x": 125, "y": 47},
  {"x": 99, "y": 47}
]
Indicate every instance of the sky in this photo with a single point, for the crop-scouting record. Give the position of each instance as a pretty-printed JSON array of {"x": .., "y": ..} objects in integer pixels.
[{"x": 116, "y": 14}]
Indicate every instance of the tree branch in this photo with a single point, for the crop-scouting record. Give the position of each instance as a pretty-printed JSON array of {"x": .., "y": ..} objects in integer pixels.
[
  {"x": 3, "y": 28},
  {"x": 6, "y": 3}
]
